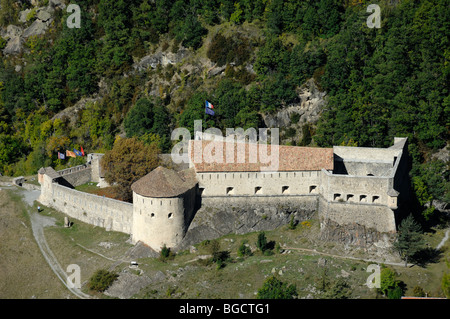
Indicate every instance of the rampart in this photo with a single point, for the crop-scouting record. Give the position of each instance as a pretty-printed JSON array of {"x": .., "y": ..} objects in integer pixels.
[
  {"x": 57, "y": 192},
  {"x": 258, "y": 183}
]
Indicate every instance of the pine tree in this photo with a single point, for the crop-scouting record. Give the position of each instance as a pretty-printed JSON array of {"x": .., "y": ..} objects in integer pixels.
[{"x": 409, "y": 239}]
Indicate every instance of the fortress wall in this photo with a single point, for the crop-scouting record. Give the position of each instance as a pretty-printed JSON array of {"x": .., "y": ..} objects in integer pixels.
[
  {"x": 246, "y": 183},
  {"x": 377, "y": 217},
  {"x": 92, "y": 209},
  {"x": 364, "y": 153},
  {"x": 344, "y": 188},
  {"x": 158, "y": 221},
  {"x": 303, "y": 202},
  {"x": 76, "y": 176},
  {"x": 361, "y": 168}
]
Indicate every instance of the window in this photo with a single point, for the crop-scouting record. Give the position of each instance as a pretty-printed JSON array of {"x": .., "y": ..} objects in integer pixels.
[
  {"x": 230, "y": 190},
  {"x": 375, "y": 199},
  {"x": 363, "y": 198},
  {"x": 152, "y": 215},
  {"x": 170, "y": 216},
  {"x": 350, "y": 197},
  {"x": 258, "y": 190},
  {"x": 312, "y": 189},
  {"x": 337, "y": 197},
  {"x": 285, "y": 190}
]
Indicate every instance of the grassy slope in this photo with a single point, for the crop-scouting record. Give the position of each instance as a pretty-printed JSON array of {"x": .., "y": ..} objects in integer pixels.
[
  {"x": 25, "y": 274},
  {"x": 23, "y": 271}
]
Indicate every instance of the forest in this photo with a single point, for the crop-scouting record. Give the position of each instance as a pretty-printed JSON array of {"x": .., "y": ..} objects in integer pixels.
[{"x": 380, "y": 82}]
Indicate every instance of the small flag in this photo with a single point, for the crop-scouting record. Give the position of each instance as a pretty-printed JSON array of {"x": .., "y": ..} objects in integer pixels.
[
  {"x": 77, "y": 152},
  {"x": 209, "y": 111},
  {"x": 82, "y": 152},
  {"x": 61, "y": 156},
  {"x": 71, "y": 154},
  {"x": 209, "y": 105}
]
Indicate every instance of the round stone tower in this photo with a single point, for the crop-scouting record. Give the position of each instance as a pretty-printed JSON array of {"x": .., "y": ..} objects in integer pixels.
[{"x": 163, "y": 207}]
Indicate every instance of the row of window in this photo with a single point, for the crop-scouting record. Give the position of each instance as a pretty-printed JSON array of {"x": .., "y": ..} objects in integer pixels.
[
  {"x": 258, "y": 190},
  {"x": 352, "y": 198}
]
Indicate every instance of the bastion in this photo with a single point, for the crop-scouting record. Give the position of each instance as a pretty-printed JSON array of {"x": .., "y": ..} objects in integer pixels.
[{"x": 357, "y": 192}]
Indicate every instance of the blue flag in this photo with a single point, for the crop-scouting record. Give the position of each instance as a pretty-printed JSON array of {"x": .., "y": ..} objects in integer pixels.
[
  {"x": 209, "y": 111},
  {"x": 78, "y": 153},
  {"x": 61, "y": 156}
]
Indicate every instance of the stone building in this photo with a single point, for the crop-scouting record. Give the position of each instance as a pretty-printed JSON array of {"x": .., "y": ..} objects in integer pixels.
[
  {"x": 163, "y": 206},
  {"x": 356, "y": 191}
]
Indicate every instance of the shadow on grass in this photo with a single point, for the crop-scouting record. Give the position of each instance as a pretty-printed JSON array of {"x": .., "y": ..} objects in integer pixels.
[{"x": 427, "y": 256}]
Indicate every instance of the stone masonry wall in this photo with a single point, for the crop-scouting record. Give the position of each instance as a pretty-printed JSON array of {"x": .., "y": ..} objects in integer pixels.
[
  {"x": 219, "y": 216},
  {"x": 258, "y": 183},
  {"x": 77, "y": 175},
  {"x": 92, "y": 209}
]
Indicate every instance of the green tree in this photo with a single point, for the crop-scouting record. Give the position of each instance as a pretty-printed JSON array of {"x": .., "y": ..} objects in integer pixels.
[
  {"x": 190, "y": 32},
  {"x": 129, "y": 160},
  {"x": 388, "y": 280},
  {"x": 139, "y": 119},
  {"x": 261, "y": 242},
  {"x": 409, "y": 239},
  {"x": 445, "y": 285},
  {"x": 274, "y": 288},
  {"x": 101, "y": 280},
  {"x": 244, "y": 249}
]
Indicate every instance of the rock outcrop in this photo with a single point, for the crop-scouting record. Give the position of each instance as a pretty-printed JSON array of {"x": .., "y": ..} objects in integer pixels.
[
  {"x": 213, "y": 221},
  {"x": 312, "y": 102},
  {"x": 33, "y": 22}
]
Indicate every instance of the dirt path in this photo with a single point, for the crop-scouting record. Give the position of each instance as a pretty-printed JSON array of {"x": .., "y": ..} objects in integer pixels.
[
  {"x": 38, "y": 222},
  {"x": 442, "y": 243},
  {"x": 345, "y": 257}
]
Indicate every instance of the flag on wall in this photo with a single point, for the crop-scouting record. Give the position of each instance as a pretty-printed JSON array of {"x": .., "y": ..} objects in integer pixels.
[
  {"x": 77, "y": 152},
  {"x": 61, "y": 156},
  {"x": 208, "y": 108},
  {"x": 71, "y": 154}
]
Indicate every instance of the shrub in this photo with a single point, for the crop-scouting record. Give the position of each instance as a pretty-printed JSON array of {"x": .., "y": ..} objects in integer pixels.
[
  {"x": 244, "y": 250},
  {"x": 292, "y": 223},
  {"x": 418, "y": 291},
  {"x": 101, "y": 280},
  {"x": 274, "y": 288},
  {"x": 262, "y": 242},
  {"x": 166, "y": 253}
]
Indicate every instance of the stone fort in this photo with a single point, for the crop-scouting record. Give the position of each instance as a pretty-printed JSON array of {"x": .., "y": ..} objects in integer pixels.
[{"x": 356, "y": 192}]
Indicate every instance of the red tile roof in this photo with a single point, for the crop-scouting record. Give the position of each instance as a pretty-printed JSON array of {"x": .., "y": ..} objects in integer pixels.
[{"x": 222, "y": 156}]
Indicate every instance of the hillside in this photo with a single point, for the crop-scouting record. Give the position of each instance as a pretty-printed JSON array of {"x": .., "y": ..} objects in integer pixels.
[{"x": 142, "y": 68}]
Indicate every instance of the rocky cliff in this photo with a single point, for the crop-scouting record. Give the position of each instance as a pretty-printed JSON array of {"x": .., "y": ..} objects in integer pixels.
[{"x": 32, "y": 22}]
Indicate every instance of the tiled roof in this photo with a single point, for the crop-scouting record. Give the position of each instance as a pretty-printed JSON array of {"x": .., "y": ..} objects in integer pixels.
[
  {"x": 164, "y": 182},
  {"x": 246, "y": 157}
]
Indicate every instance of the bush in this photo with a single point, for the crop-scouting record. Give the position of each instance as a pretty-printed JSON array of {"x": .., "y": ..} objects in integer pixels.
[
  {"x": 262, "y": 242},
  {"x": 418, "y": 291},
  {"x": 274, "y": 288},
  {"x": 101, "y": 280},
  {"x": 166, "y": 253},
  {"x": 244, "y": 250}
]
